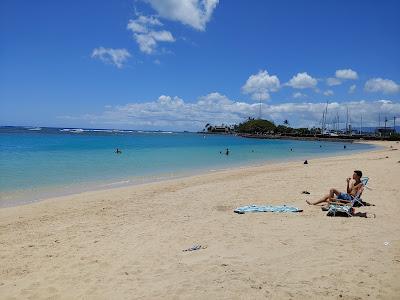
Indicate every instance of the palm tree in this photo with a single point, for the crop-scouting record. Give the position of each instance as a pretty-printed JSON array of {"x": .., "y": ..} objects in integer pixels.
[{"x": 286, "y": 122}]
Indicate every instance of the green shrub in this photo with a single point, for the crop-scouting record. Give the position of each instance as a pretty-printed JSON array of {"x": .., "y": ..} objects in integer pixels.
[{"x": 256, "y": 126}]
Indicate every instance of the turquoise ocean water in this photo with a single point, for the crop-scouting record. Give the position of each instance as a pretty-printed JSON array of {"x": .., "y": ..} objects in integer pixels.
[{"x": 37, "y": 163}]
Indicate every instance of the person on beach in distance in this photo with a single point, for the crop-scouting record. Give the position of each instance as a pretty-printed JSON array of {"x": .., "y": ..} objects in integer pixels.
[{"x": 353, "y": 187}]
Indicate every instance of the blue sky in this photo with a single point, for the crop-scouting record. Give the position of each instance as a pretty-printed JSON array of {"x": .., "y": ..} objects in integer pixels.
[{"x": 178, "y": 64}]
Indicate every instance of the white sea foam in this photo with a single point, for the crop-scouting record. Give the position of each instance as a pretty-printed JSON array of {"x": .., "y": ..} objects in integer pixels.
[
  {"x": 98, "y": 130},
  {"x": 156, "y": 132},
  {"x": 117, "y": 183},
  {"x": 77, "y": 130}
]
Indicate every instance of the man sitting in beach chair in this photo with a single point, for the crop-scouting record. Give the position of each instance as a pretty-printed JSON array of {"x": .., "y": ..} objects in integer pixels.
[{"x": 353, "y": 188}]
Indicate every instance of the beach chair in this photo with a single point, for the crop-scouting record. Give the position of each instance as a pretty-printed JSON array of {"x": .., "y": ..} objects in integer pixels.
[
  {"x": 357, "y": 199},
  {"x": 364, "y": 181},
  {"x": 338, "y": 207}
]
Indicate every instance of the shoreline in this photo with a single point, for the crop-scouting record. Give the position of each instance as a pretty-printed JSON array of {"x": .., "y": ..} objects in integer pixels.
[
  {"x": 127, "y": 242},
  {"x": 97, "y": 186}
]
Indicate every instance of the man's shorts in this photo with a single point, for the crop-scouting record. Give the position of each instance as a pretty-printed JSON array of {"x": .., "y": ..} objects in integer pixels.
[{"x": 344, "y": 196}]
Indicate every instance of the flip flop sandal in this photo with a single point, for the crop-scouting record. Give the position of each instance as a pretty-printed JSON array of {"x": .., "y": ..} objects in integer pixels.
[{"x": 194, "y": 248}]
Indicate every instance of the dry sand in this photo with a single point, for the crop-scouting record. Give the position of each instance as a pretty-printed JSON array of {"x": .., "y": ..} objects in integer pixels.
[{"x": 127, "y": 243}]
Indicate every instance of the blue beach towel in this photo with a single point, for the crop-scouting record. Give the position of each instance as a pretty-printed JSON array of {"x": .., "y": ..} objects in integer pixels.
[{"x": 266, "y": 208}]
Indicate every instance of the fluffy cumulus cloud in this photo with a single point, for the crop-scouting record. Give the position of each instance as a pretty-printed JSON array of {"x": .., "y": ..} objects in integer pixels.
[
  {"x": 346, "y": 74},
  {"x": 298, "y": 95},
  {"x": 146, "y": 33},
  {"x": 381, "y": 85},
  {"x": 332, "y": 81},
  {"x": 116, "y": 57},
  {"x": 342, "y": 75},
  {"x": 194, "y": 13},
  {"x": 352, "y": 89},
  {"x": 302, "y": 81},
  {"x": 260, "y": 85},
  {"x": 173, "y": 113}
]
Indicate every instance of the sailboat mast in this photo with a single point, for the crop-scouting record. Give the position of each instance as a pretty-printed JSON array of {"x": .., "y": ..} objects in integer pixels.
[
  {"x": 337, "y": 117},
  {"x": 325, "y": 115}
]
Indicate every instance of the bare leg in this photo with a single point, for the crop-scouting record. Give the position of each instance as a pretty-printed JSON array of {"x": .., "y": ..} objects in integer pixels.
[{"x": 326, "y": 198}]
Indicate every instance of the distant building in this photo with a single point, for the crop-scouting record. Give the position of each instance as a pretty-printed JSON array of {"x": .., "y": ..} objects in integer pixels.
[
  {"x": 382, "y": 131},
  {"x": 221, "y": 129},
  {"x": 218, "y": 129}
]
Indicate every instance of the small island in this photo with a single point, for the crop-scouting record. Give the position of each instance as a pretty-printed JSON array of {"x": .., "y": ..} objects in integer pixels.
[{"x": 266, "y": 129}]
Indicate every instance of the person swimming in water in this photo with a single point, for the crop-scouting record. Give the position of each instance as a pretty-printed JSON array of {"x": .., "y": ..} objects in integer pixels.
[{"x": 117, "y": 151}]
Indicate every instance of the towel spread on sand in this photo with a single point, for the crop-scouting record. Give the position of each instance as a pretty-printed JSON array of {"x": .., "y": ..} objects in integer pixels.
[{"x": 266, "y": 208}]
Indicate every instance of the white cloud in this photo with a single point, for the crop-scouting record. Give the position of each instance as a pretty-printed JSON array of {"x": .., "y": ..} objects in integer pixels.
[
  {"x": 146, "y": 36},
  {"x": 194, "y": 13},
  {"x": 302, "y": 81},
  {"x": 115, "y": 57},
  {"x": 260, "y": 85},
  {"x": 328, "y": 93},
  {"x": 332, "y": 81},
  {"x": 352, "y": 89},
  {"x": 140, "y": 24},
  {"x": 173, "y": 113},
  {"x": 346, "y": 74},
  {"x": 170, "y": 102},
  {"x": 298, "y": 95},
  {"x": 385, "y": 86}
]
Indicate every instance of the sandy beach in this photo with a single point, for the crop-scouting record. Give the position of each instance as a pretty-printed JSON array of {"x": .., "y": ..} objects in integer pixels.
[{"x": 126, "y": 243}]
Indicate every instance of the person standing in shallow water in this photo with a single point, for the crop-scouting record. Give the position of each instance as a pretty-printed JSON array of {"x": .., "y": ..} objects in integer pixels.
[{"x": 227, "y": 151}]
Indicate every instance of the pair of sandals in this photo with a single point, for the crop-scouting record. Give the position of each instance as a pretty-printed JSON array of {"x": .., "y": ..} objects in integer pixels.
[{"x": 194, "y": 248}]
